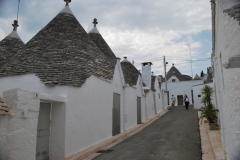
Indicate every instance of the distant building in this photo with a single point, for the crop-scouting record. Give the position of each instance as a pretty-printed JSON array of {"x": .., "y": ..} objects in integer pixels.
[{"x": 178, "y": 85}]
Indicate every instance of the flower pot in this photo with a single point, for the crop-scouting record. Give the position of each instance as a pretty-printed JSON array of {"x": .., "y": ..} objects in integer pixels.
[{"x": 213, "y": 126}]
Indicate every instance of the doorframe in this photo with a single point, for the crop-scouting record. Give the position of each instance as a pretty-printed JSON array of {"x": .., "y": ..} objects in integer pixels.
[{"x": 57, "y": 126}]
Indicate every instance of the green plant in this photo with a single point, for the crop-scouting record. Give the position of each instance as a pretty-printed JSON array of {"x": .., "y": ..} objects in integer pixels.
[
  {"x": 208, "y": 110},
  {"x": 210, "y": 113}
]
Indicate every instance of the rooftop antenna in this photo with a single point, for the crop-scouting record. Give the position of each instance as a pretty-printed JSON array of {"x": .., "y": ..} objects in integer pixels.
[{"x": 18, "y": 9}]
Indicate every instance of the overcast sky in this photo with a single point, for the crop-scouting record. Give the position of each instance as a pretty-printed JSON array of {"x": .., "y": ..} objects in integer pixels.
[{"x": 142, "y": 30}]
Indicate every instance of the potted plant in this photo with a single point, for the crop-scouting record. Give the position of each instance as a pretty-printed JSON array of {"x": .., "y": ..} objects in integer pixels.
[{"x": 208, "y": 110}]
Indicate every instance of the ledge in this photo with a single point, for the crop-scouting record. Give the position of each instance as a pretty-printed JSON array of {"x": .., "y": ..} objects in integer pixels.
[
  {"x": 89, "y": 153},
  {"x": 233, "y": 62},
  {"x": 211, "y": 142}
]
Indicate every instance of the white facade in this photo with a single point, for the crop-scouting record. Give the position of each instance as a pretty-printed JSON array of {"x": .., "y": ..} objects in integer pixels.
[
  {"x": 179, "y": 88},
  {"x": 81, "y": 117},
  {"x": 197, "y": 95},
  {"x": 227, "y": 80}
]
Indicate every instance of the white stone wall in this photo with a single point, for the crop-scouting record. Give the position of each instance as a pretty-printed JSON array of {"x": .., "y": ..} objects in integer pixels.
[
  {"x": 173, "y": 77},
  {"x": 22, "y": 123},
  {"x": 227, "y": 81},
  {"x": 197, "y": 91},
  {"x": 181, "y": 88},
  {"x": 159, "y": 97},
  {"x": 150, "y": 104},
  {"x": 3, "y": 137},
  {"x": 82, "y": 118},
  {"x": 89, "y": 112},
  {"x": 131, "y": 107}
]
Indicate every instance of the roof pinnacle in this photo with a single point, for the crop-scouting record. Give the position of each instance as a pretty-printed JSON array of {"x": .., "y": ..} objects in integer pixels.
[
  {"x": 67, "y": 1},
  {"x": 15, "y": 25},
  {"x": 95, "y": 22}
]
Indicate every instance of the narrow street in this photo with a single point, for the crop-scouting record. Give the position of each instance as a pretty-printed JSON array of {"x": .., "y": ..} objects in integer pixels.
[{"x": 175, "y": 136}]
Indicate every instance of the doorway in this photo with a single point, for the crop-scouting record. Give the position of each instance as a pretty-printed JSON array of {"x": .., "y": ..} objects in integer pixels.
[
  {"x": 139, "y": 113},
  {"x": 43, "y": 132},
  {"x": 180, "y": 99},
  {"x": 154, "y": 101},
  {"x": 116, "y": 114}
]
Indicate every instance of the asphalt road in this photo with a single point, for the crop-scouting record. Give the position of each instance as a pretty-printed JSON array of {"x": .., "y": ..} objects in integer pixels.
[{"x": 175, "y": 136}]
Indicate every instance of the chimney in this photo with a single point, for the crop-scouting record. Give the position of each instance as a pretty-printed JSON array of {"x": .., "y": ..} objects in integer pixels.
[{"x": 146, "y": 73}]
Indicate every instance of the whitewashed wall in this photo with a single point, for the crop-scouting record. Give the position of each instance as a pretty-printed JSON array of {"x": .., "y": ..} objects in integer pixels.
[
  {"x": 173, "y": 77},
  {"x": 180, "y": 88},
  {"x": 3, "y": 137},
  {"x": 197, "y": 92},
  {"x": 150, "y": 104},
  {"x": 21, "y": 125},
  {"x": 89, "y": 112},
  {"x": 130, "y": 101},
  {"x": 130, "y": 107},
  {"x": 159, "y": 97},
  {"x": 19, "y": 136},
  {"x": 85, "y": 117},
  {"x": 227, "y": 81}
]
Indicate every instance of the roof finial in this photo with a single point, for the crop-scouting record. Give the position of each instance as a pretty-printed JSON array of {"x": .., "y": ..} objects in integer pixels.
[
  {"x": 67, "y": 1},
  {"x": 173, "y": 64},
  {"x": 95, "y": 22},
  {"x": 15, "y": 25}
]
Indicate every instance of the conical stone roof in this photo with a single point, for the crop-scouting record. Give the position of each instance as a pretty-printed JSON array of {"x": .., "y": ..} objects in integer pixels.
[
  {"x": 130, "y": 73},
  {"x": 61, "y": 54},
  {"x": 100, "y": 42},
  {"x": 10, "y": 45},
  {"x": 173, "y": 71}
]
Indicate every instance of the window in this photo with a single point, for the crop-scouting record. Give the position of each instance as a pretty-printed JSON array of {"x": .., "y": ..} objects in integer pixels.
[
  {"x": 159, "y": 95},
  {"x": 173, "y": 80}
]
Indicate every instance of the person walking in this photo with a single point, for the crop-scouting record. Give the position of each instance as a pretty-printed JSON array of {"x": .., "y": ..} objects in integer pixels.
[
  {"x": 173, "y": 100},
  {"x": 186, "y": 100}
]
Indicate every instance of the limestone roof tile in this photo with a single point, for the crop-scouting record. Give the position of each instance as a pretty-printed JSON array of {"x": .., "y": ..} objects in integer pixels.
[
  {"x": 234, "y": 12},
  {"x": 173, "y": 71},
  {"x": 4, "y": 109},
  {"x": 9, "y": 47},
  {"x": 100, "y": 42},
  {"x": 60, "y": 54},
  {"x": 130, "y": 73}
]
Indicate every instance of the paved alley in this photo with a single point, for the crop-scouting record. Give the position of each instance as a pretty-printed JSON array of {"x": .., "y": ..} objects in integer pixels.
[{"x": 175, "y": 136}]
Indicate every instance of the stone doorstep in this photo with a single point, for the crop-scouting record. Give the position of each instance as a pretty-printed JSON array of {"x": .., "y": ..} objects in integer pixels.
[{"x": 89, "y": 153}]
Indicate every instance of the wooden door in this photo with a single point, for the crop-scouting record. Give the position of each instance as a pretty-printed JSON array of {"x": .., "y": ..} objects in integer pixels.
[
  {"x": 116, "y": 114},
  {"x": 180, "y": 99},
  {"x": 43, "y": 132},
  {"x": 139, "y": 113}
]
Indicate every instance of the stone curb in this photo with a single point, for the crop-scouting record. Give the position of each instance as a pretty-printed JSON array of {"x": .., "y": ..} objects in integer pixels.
[
  {"x": 90, "y": 152},
  {"x": 210, "y": 142}
]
